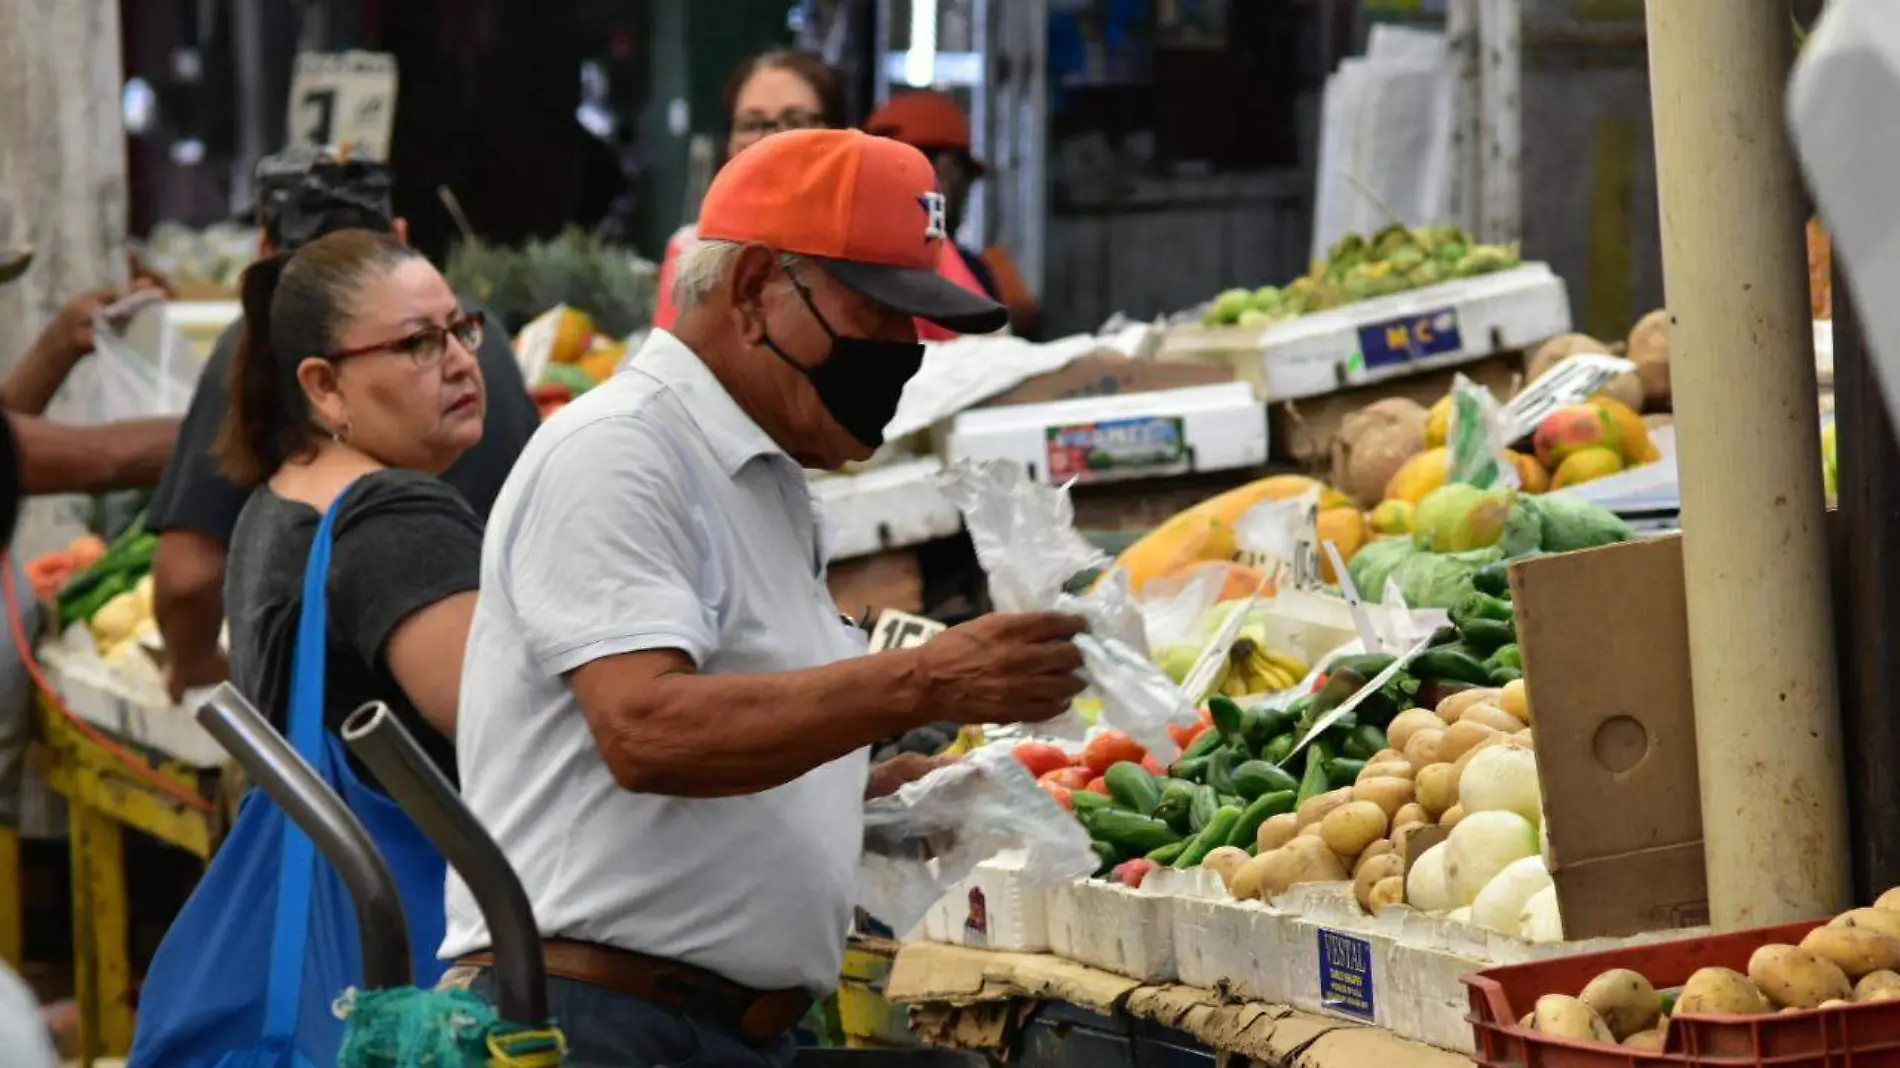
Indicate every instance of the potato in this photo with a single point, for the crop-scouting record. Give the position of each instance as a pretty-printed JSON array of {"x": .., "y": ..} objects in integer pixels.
[
  {"x": 1721, "y": 992},
  {"x": 1886, "y": 921},
  {"x": 1647, "y": 1041},
  {"x": 1318, "y": 806},
  {"x": 1352, "y": 827},
  {"x": 1381, "y": 848},
  {"x": 1526, "y": 1020},
  {"x": 1387, "y": 756},
  {"x": 1855, "y": 950},
  {"x": 1889, "y": 900},
  {"x": 1462, "y": 736},
  {"x": 1396, "y": 768},
  {"x": 1371, "y": 872},
  {"x": 1833, "y": 1003},
  {"x": 1426, "y": 747},
  {"x": 1491, "y": 716},
  {"x": 1793, "y": 977},
  {"x": 1246, "y": 884},
  {"x": 1516, "y": 700},
  {"x": 1300, "y": 861},
  {"x": 1389, "y": 794},
  {"x": 1878, "y": 986},
  {"x": 1624, "y": 999},
  {"x": 1311, "y": 830},
  {"x": 1406, "y": 724},
  {"x": 1454, "y": 706},
  {"x": 1276, "y": 832},
  {"x": 1562, "y": 1016},
  {"x": 1410, "y": 814},
  {"x": 1387, "y": 891},
  {"x": 1524, "y": 739},
  {"x": 1451, "y": 816},
  {"x": 1224, "y": 862},
  {"x": 1436, "y": 788}
]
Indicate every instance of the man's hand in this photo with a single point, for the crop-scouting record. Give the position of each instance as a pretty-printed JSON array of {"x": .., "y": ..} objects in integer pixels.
[
  {"x": 900, "y": 769},
  {"x": 183, "y": 675},
  {"x": 1002, "y": 668}
]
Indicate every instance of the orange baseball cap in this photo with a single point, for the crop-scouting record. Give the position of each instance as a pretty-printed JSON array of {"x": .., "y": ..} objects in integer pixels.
[
  {"x": 924, "y": 119},
  {"x": 864, "y": 208}
]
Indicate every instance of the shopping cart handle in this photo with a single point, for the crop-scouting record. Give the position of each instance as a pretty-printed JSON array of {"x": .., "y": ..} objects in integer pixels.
[
  {"x": 521, "y": 981},
  {"x": 270, "y": 762}
]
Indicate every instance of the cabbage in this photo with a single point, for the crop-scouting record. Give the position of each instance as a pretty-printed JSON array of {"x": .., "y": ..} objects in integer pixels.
[
  {"x": 1439, "y": 580},
  {"x": 1500, "y": 905},
  {"x": 1523, "y": 532},
  {"x": 1502, "y": 778},
  {"x": 1540, "y": 921},
  {"x": 1480, "y": 847},
  {"x": 1425, "y": 887},
  {"x": 1569, "y": 523},
  {"x": 1371, "y": 564}
]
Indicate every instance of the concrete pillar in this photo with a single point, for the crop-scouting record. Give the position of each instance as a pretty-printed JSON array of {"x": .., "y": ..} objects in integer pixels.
[{"x": 1768, "y": 736}]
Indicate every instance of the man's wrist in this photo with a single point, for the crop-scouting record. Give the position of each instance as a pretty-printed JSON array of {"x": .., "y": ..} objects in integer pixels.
[{"x": 915, "y": 692}]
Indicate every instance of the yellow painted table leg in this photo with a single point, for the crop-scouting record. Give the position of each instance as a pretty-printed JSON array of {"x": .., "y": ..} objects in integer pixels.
[
  {"x": 12, "y": 898},
  {"x": 102, "y": 968}
]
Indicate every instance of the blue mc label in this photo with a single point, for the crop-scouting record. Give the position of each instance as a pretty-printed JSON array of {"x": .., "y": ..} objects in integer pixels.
[{"x": 1411, "y": 338}]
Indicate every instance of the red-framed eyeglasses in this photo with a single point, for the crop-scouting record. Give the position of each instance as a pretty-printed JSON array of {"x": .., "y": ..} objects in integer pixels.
[{"x": 427, "y": 346}]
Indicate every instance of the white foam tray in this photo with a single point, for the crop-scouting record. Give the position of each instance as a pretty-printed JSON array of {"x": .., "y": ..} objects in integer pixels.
[
  {"x": 133, "y": 707},
  {"x": 891, "y": 507},
  {"x": 995, "y": 907},
  {"x": 1223, "y": 427},
  {"x": 1109, "y": 926}
]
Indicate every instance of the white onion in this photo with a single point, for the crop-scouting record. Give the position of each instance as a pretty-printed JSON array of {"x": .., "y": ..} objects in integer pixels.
[
  {"x": 1481, "y": 846},
  {"x": 1540, "y": 921},
  {"x": 1502, "y": 778},
  {"x": 1425, "y": 887},
  {"x": 1500, "y": 905}
]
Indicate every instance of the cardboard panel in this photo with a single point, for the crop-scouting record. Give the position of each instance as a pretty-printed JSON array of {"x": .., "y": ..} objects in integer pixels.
[{"x": 1606, "y": 657}]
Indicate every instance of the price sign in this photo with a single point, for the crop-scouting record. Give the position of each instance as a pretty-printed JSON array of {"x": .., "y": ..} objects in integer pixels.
[
  {"x": 1115, "y": 448},
  {"x": 344, "y": 100},
  {"x": 1410, "y": 338},
  {"x": 901, "y": 630}
]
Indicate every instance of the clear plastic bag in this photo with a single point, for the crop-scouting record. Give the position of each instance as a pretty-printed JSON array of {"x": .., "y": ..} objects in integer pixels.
[
  {"x": 1481, "y": 436},
  {"x": 125, "y": 381},
  {"x": 925, "y": 838},
  {"x": 1025, "y": 539}
]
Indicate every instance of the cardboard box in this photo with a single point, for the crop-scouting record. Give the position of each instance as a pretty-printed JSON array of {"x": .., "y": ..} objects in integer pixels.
[
  {"x": 1109, "y": 375},
  {"x": 1605, "y": 640}
]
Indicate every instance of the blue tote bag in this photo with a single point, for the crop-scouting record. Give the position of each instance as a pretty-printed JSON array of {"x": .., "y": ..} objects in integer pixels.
[{"x": 249, "y": 972}]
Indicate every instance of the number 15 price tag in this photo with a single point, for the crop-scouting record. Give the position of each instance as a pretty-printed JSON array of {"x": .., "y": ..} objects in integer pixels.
[{"x": 344, "y": 100}]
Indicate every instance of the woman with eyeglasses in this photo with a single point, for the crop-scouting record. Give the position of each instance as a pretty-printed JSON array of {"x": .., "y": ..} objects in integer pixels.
[{"x": 771, "y": 93}]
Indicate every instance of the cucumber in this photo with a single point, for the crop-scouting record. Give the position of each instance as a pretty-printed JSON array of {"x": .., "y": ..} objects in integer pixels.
[
  {"x": 1167, "y": 853},
  {"x": 1367, "y": 664},
  {"x": 1314, "y": 782},
  {"x": 1206, "y": 743},
  {"x": 1279, "y": 748},
  {"x": 1206, "y": 803},
  {"x": 1453, "y": 664},
  {"x": 1130, "y": 832},
  {"x": 1488, "y": 635},
  {"x": 1227, "y": 716},
  {"x": 1494, "y": 579},
  {"x": 1257, "y": 777},
  {"x": 1475, "y": 606},
  {"x": 1191, "y": 769},
  {"x": 1109, "y": 855},
  {"x": 1212, "y": 836},
  {"x": 1132, "y": 787},
  {"x": 1363, "y": 741},
  {"x": 1176, "y": 798},
  {"x": 1509, "y": 656},
  {"x": 1502, "y": 675},
  {"x": 1343, "y": 771},
  {"x": 1086, "y": 801},
  {"x": 1262, "y": 809},
  {"x": 1220, "y": 769}
]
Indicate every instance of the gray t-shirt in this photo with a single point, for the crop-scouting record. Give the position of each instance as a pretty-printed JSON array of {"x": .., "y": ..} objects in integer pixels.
[{"x": 403, "y": 541}]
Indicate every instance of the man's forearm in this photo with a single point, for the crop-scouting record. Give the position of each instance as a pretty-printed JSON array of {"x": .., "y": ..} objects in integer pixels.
[
  {"x": 60, "y": 458},
  {"x": 188, "y": 595},
  {"x": 692, "y": 735},
  {"x": 34, "y": 380}
]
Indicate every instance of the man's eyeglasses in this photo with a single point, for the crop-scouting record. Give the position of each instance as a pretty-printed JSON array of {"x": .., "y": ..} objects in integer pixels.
[
  {"x": 426, "y": 347},
  {"x": 750, "y": 126}
]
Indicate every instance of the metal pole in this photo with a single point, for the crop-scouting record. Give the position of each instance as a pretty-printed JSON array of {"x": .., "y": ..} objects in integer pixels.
[
  {"x": 1768, "y": 738},
  {"x": 521, "y": 979},
  {"x": 270, "y": 762}
]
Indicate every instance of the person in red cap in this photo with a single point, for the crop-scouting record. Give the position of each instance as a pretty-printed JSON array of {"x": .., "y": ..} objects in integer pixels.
[
  {"x": 935, "y": 125},
  {"x": 653, "y": 615}
]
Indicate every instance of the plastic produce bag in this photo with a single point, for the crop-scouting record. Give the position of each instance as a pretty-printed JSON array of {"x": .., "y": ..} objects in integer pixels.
[
  {"x": 1479, "y": 452},
  {"x": 126, "y": 382},
  {"x": 1025, "y": 539},
  {"x": 931, "y": 833}
]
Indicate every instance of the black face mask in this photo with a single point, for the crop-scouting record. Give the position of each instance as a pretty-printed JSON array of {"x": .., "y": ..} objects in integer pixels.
[{"x": 861, "y": 380}]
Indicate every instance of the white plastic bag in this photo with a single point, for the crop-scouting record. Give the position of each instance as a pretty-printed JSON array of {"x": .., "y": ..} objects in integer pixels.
[
  {"x": 128, "y": 382},
  {"x": 1025, "y": 539},
  {"x": 931, "y": 833}
]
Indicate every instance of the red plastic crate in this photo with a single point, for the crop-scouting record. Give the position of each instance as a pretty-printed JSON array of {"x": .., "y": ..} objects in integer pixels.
[{"x": 1856, "y": 1036}]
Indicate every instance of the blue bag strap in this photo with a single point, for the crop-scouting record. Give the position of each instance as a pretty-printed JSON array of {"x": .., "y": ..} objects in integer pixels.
[{"x": 297, "y": 860}]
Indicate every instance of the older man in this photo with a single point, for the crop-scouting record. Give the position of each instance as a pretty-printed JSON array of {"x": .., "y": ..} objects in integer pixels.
[{"x": 664, "y": 719}]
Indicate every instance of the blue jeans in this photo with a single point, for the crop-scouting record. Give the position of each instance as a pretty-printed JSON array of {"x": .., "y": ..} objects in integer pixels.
[{"x": 606, "y": 1029}]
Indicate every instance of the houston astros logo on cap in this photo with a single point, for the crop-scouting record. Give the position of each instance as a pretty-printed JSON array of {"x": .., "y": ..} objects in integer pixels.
[{"x": 849, "y": 202}]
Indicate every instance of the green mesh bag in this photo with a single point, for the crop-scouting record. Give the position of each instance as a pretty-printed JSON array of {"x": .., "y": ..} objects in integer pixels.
[{"x": 411, "y": 1028}]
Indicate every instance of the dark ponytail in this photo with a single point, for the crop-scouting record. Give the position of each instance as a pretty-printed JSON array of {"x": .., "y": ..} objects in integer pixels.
[{"x": 295, "y": 307}]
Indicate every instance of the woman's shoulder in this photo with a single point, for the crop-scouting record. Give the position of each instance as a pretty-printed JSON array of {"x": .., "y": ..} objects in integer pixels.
[{"x": 395, "y": 493}]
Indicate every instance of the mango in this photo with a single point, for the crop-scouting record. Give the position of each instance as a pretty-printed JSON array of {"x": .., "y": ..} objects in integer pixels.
[
  {"x": 573, "y": 335},
  {"x": 1572, "y": 429},
  {"x": 1391, "y": 517},
  {"x": 1346, "y": 529},
  {"x": 1458, "y": 517},
  {"x": 1438, "y": 424},
  {"x": 1206, "y": 531},
  {"x": 1531, "y": 476},
  {"x": 1586, "y": 465},
  {"x": 1420, "y": 475},
  {"x": 1632, "y": 434}
]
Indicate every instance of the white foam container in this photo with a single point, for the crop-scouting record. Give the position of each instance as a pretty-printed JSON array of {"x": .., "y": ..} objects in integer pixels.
[
  {"x": 132, "y": 707},
  {"x": 1110, "y": 926},
  {"x": 1222, "y": 427},
  {"x": 891, "y": 507},
  {"x": 994, "y": 907}
]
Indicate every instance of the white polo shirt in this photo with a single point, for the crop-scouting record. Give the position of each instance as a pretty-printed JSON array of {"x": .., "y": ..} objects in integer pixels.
[{"x": 652, "y": 513}]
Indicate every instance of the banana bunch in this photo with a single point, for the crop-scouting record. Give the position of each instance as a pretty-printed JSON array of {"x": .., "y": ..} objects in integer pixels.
[{"x": 1253, "y": 668}]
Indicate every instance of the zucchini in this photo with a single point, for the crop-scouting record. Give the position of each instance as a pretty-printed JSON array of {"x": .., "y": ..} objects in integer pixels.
[
  {"x": 1452, "y": 664},
  {"x": 1130, "y": 832},
  {"x": 1314, "y": 783},
  {"x": 1132, "y": 787},
  {"x": 1256, "y": 777},
  {"x": 1212, "y": 836},
  {"x": 1262, "y": 808},
  {"x": 1206, "y": 802}
]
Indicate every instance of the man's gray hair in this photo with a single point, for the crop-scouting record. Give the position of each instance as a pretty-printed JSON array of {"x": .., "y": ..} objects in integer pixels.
[{"x": 703, "y": 268}]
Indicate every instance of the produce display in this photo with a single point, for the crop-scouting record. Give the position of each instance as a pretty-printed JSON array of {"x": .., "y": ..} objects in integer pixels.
[
  {"x": 1396, "y": 259},
  {"x": 1252, "y": 665},
  {"x": 113, "y": 595},
  {"x": 1206, "y": 532},
  {"x": 1854, "y": 959},
  {"x": 581, "y": 358},
  {"x": 48, "y": 573}
]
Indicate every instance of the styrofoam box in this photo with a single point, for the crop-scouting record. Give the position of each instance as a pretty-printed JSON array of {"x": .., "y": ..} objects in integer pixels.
[
  {"x": 994, "y": 907},
  {"x": 1240, "y": 945},
  {"x": 1223, "y": 426},
  {"x": 891, "y": 507},
  {"x": 132, "y": 708},
  {"x": 1115, "y": 928}
]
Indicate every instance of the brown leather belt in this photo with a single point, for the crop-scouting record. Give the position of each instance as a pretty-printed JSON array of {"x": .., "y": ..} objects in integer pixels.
[{"x": 761, "y": 1018}]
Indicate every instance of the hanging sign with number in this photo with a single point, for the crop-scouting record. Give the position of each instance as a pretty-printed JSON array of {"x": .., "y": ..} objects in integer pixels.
[{"x": 344, "y": 100}]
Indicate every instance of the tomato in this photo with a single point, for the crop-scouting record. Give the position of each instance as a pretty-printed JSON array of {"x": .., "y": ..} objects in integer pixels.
[
  {"x": 1097, "y": 785},
  {"x": 1320, "y": 682},
  {"x": 1110, "y": 748},
  {"x": 1153, "y": 766},
  {"x": 1041, "y": 758},
  {"x": 1130, "y": 873},
  {"x": 1063, "y": 795},
  {"x": 1068, "y": 778}
]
